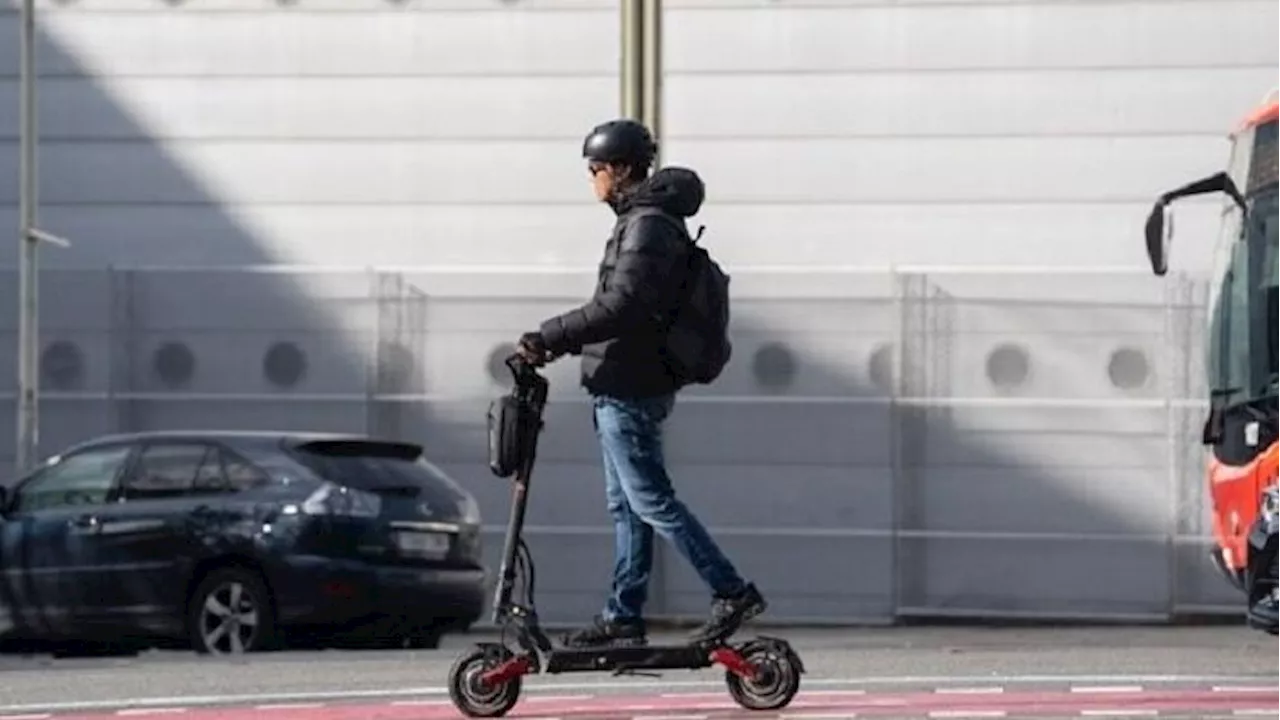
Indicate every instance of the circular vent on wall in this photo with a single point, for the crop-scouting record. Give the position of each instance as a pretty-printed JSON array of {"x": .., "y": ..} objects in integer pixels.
[
  {"x": 1128, "y": 368},
  {"x": 1008, "y": 366},
  {"x": 62, "y": 365},
  {"x": 174, "y": 364},
  {"x": 774, "y": 365},
  {"x": 496, "y": 367},
  {"x": 880, "y": 368},
  {"x": 284, "y": 364}
]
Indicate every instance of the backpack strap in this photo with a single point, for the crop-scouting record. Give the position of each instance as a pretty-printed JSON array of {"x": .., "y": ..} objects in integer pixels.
[{"x": 686, "y": 287}]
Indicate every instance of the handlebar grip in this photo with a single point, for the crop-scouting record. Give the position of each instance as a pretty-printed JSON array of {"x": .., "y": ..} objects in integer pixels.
[{"x": 516, "y": 364}]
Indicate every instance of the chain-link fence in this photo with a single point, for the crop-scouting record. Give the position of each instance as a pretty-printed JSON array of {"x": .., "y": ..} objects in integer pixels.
[{"x": 885, "y": 442}]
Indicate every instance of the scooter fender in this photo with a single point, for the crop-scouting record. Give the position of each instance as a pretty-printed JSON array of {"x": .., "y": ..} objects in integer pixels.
[{"x": 778, "y": 645}]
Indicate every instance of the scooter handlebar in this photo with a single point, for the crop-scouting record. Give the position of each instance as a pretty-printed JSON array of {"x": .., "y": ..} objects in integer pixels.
[{"x": 523, "y": 372}]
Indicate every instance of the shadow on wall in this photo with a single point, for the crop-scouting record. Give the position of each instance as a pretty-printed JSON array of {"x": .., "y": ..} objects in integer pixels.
[{"x": 843, "y": 505}]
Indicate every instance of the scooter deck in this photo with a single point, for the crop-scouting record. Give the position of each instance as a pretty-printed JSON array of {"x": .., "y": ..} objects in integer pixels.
[{"x": 625, "y": 658}]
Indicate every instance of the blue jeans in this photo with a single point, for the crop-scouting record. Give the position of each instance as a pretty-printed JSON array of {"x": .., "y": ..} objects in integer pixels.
[{"x": 640, "y": 498}]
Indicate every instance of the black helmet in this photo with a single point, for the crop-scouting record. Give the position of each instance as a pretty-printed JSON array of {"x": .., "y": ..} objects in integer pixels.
[{"x": 625, "y": 142}]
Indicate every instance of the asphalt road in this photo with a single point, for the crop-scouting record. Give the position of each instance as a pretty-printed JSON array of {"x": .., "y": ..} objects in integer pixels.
[{"x": 842, "y": 664}]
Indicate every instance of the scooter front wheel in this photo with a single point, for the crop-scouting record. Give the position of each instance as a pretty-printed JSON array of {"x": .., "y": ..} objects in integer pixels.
[
  {"x": 471, "y": 694},
  {"x": 777, "y": 682}
]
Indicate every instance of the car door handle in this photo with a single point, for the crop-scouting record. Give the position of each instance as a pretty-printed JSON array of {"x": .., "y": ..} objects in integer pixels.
[{"x": 85, "y": 523}]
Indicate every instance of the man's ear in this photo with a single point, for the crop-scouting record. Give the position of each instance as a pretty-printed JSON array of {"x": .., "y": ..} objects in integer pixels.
[{"x": 629, "y": 175}]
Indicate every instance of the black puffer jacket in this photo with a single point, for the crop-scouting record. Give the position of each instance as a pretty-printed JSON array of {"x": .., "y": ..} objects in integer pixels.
[{"x": 618, "y": 332}]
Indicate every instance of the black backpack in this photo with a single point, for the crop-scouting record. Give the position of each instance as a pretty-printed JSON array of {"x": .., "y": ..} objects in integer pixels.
[{"x": 697, "y": 331}]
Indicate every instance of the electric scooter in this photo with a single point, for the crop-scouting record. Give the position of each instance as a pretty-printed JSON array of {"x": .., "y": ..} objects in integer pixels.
[{"x": 762, "y": 673}]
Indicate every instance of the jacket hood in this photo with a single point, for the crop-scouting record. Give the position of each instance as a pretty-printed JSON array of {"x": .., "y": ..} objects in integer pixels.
[{"x": 676, "y": 190}]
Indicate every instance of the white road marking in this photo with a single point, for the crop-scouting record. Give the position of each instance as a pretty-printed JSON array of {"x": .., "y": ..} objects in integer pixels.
[
  {"x": 28, "y": 716},
  {"x": 1107, "y": 689},
  {"x": 639, "y": 685},
  {"x": 967, "y": 713},
  {"x": 817, "y": 716},
  {"x": 1243, "y": 688},
  {"x": 151, "y": 711},
  {"x": 288, "y": 706},
  {"x": 969, "y": 690},
  {"x": 1119, "y": 713}
]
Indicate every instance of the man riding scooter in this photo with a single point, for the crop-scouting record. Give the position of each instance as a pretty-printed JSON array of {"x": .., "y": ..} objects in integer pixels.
[{"x": 633, "y": 386}]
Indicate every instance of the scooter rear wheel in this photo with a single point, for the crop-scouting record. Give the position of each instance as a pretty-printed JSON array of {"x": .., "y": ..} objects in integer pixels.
[
  {"x": 778, "y": 681},
  {"x": 471, "y": 695}
]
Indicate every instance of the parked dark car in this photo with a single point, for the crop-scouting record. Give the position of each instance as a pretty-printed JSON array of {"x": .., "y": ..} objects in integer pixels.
[
  {"x": 227, "y": 540},
  {"x": 1260, "y": 578}
]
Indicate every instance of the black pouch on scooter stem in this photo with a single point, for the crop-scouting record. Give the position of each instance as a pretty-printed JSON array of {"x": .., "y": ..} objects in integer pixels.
[{"x": 507, "y": 426}]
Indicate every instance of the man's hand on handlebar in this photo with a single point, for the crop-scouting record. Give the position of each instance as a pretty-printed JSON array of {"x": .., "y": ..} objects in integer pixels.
[{"x": 533, "y": 350}]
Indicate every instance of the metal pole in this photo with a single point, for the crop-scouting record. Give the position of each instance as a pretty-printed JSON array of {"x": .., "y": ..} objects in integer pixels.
[
  {"x": 28, "y": 379},
  {"x": 651, "y": 71},
  {"x": 28, "y": 420},
  {"x": 632, "y": 46}
]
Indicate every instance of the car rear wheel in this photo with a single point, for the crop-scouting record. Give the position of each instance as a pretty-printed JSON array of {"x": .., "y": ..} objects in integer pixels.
[{"x": 231, "y": 614}]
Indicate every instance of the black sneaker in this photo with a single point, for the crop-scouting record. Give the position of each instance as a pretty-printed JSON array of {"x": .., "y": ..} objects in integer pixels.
[
  {"x": 728, "y": 614},
  {"x": 607, "y": 633}
]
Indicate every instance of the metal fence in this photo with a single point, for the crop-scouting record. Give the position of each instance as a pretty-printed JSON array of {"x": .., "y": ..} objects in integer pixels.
[{"x": 886, "y": 442}]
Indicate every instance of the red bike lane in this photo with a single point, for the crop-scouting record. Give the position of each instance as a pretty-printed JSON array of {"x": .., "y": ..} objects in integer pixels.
[{"x": 812, "y": 705}]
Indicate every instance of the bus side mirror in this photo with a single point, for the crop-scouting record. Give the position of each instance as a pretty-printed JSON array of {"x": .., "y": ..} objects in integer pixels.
[
  {"x": 1159, "y": 229},
  {"x": 1160, "y": 221}
]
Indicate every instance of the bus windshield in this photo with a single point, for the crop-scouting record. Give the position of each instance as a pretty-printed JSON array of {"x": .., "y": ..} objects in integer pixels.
[
  {"x": 1266, "y": 215},
  {"x": 1262, "y": 235},
  {"x": 1242, "y": 352}
]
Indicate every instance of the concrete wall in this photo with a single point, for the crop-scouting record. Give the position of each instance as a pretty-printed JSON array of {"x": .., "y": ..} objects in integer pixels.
[
  {"x": 1040, "y": 432},
  {"x": 447, "y": 131}
]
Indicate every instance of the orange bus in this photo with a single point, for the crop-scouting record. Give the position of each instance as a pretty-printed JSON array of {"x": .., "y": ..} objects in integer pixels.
[{"x": 1240, "y": 428}]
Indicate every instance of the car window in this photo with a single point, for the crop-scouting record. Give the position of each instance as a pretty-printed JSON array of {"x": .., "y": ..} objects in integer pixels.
[
  {"x": 86, "y": 478},
  {"x": 165, "y": 470},
  {"x": 209, "y": 477},
  {"x": 367, "y": 465},
  {"x": 223, "y": 471},
  {"x": 242, "y": 474}
]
